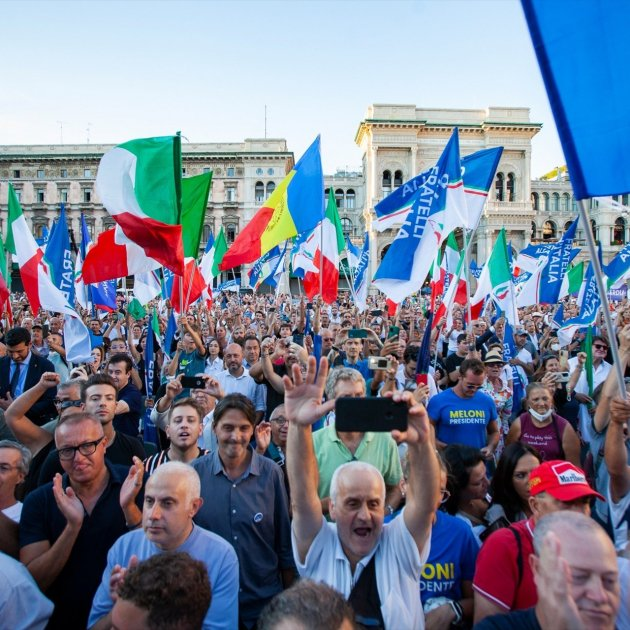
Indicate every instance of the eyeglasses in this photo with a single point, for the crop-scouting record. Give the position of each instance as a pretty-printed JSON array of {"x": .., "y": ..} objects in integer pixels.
[
  {"x": 281, "y": 420},
  {"x": 64, "y": 404},
  {"x": 87, "y": 448},
  {"x": 600, "y": 346},
  {"x": 446, "y": 495}
]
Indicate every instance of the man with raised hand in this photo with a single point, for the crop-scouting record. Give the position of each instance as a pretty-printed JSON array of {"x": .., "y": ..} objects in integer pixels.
[{"x": 376, "y": 567}]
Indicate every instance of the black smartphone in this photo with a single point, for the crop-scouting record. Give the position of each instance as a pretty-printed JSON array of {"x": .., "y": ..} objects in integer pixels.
[
  {"x": 299, "y": 339},
  {"x": 370, "y": 414},
  {"x": 394, "y": 331},
  {"x": 309, "y": 305},
  {"x": 376, "y": 312},
  {"x": 357, "y": 333},
  {"x": 193, "y": 382}
]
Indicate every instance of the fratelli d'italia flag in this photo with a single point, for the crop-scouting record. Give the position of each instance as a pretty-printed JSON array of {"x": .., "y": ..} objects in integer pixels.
[
  {"x": 294, "y": 207},
  {"x": 139, "y": 183}
]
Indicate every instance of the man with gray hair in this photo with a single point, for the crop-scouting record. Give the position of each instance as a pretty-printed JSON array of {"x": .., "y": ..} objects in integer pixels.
[
  {"x": 334, "y": 448},
  {"x": 576, "y": 575},
  {"x": 15, "y": 460},
  {"x": 375, "y": 566},
  {"x": 171, "y": 498}
]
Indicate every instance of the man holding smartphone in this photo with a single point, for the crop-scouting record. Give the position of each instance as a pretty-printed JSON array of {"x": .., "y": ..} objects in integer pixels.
[{"x": 375, "y": 566}]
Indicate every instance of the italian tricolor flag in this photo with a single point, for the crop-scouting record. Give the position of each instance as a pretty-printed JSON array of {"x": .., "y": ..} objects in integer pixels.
[
  {"x": 328, "y": 243},
  {"x": 139, "y": 183},
  {"x": 39, "y": 288}
]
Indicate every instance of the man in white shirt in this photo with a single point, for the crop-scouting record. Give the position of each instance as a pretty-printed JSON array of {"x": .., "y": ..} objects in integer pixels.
[
  {"x": 14, "y": 464},
  {"x": 376, "y": 567}
]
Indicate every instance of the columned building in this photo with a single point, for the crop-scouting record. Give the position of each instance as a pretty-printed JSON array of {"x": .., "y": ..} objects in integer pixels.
[{"x": 44, "y": 176}]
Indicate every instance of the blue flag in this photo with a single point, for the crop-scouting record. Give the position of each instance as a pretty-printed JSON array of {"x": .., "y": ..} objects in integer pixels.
[
  {"x": 591, "y": 301},
  {"x": 171, "y": 329},
  {"x": 167, "y": 283},
  {"x": 475, "y": 270},
  {"x": 150, "y": 431},
  {"x": 557, "y": 264},
  {"x": 618, "y": 266},
  {"x": 354, "y": 254},
  {"x": 58, "y": 256},
  {"x": 583, "y": 54},
  {"x": 424, "y": 354},
  {"x": 265, "y": 269}
]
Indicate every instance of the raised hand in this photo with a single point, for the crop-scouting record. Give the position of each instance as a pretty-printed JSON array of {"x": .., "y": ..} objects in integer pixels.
[
  {"x": 49, "y": 379},
  {"x": 262, "y": 433},
  {"x": 118, "y": 575},
  {"x": 132, "y": 484},
  {"x": 303, "y": 396},
  {"x": 418, "y": 425}
]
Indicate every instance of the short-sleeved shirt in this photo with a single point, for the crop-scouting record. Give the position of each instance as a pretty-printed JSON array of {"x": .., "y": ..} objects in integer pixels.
[
  {"x": 212, "y": 550},
  {"x": 252, "y": 514},
  {"x": 129, "y": 422},
  {"x": 397, "y": 565},
  {"x": 191, "y": 363},
  {"x": 462, "y": 420},
  {"x": 73, "y": 589},
  {"x": 378, "y": 449},
  {"x": 451, "y": 559},
  {"x": 498, "y": 577}
]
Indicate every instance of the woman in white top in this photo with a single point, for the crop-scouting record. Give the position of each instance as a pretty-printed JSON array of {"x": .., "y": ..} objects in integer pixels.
[{"x": 214, "y": 362}]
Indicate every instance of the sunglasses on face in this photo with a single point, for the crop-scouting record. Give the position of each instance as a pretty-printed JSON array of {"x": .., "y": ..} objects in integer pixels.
[
  {"x": 64, "y": 404},
  {"x": 599, "y": 346}
]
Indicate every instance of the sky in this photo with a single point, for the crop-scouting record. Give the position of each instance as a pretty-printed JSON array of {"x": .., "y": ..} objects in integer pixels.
[{"x": 113, "y": 71}]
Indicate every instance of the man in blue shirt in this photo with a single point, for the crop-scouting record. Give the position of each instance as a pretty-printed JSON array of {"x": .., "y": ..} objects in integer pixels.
[
  {"x": 464, "y": 415},
  {"x": 171, "y": 499}
]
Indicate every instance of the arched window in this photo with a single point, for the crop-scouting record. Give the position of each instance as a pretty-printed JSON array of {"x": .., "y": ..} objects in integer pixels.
[
  {"x": 271, "y": 186},
  {"x": 384, "y": 251},
  {"x": 594, "y": 228},
  {"x": 533, "y": 233},
  {"x": 346, "y": 226},
  {"x": 546, "y": 200},
  {"x": 230, "y": 232},
  {"x": 555, "y": 205},
  {"x": 549, "y": 231},
  {"x": 339, "y": 197},
  {"x": 511, "y": 187},
  {"x": 619, "y": 232},
  {"x": 535, "y": 201},
  {"x": 567, "y": 225},
  {"x": 498, "y": 187},
  {"x": 398, "y": 179},
  {"x": 350, "y": 198},
  {"x": 205, "y": 235},
  {"x": 387, "y": 182},
  {"x": 259, "y": 192},
  {"x": 565, "y": 201}
]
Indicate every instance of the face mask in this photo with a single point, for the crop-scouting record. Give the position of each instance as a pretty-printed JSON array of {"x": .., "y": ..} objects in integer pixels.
[{"x": 540, "y": 416}]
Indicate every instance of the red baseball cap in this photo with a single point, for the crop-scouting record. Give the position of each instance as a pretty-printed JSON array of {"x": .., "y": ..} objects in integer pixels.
[{"x": 562, "y": 480}]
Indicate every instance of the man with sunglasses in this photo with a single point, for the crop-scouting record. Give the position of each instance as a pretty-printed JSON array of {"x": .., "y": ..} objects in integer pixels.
[
  {"x": 68, "y": 526},
  {"x": 464, "y": 415},
  {"x": 98, "y": 397}
]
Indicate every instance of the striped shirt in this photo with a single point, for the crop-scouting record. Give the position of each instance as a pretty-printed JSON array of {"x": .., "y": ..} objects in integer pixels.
[{"x": 152, "y": 462}]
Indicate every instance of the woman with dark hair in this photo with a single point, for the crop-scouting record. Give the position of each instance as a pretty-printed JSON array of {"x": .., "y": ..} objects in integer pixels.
[
  {"x": 546, "y": 431},
  {"x": 510, "y": 484},
  {"x": 467, "y": 485},
  {"x": 214, "y": 362}
]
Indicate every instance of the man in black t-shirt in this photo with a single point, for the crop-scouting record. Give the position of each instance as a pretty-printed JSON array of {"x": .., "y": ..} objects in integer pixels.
[{"x": 453, "y": 361}]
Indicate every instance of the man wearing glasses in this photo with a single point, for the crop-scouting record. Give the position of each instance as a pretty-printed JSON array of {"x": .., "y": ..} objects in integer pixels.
[
  {"x": 463, "y": 414},
  {"x": 68, "y": 526}
]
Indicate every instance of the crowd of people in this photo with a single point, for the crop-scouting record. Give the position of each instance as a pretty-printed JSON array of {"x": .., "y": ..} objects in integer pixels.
[{"x": 214, "y": 485}]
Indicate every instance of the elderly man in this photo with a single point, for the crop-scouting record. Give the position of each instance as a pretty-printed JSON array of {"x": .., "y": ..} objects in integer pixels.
[
  {"x": 568, "y": 543},
  {"x": 68, "y": 526},
  {"x": 14, "y": 462},
  {"x": 255, "y": 515},
  {"x": 171, "y": 500},
  {"x": 503, "y": 577},
  {"x": 375, "y": 566},
  {"x": 334, "y": 448}
]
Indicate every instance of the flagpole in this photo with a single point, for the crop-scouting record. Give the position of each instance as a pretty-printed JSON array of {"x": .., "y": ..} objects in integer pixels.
[
  {"x": 601, "y": 287},
  {"x": 321, "y": 259},
  {"x": 467, "y": 241}
]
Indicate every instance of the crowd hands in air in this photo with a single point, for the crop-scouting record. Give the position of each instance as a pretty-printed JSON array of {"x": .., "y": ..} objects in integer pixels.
[{"x": 226, "y": 497}]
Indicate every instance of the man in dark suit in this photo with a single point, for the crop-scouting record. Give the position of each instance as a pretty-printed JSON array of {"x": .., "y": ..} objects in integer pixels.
[{"x": 20, "y": 370}]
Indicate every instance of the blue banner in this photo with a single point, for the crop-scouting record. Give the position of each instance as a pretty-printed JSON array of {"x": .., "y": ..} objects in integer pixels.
[
  {"x": 509, "y": 353},
  {"x": 150, "y": 430},
  {"x": 58, "y": 255},
  {"x": 554, "y": 271}
]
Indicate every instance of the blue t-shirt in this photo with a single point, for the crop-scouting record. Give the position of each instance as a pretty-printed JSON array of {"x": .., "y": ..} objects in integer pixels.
[
  {"x": 462, "y": 420},
  {"x": 451, "y": 560}
]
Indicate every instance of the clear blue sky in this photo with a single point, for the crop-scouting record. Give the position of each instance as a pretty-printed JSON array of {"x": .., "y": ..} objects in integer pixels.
[{"x": 144, "y": 68}]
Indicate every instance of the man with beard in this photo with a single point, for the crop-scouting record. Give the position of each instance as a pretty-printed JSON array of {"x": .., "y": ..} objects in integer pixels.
[{"x": 183, "y": 429}]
